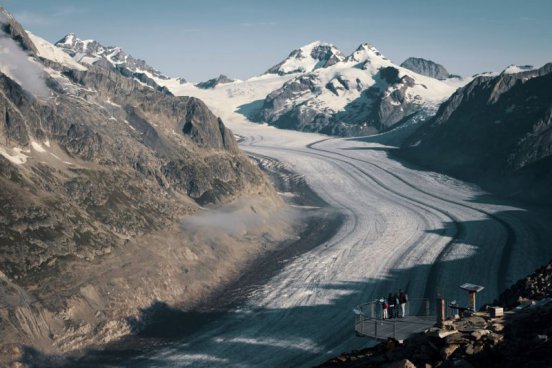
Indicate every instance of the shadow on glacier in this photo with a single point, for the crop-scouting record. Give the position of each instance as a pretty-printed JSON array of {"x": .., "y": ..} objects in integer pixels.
[
  {"x": 494, "y": 193},
  {"x": 251, "y": 110},
  {"x": 251, "y": 336}
]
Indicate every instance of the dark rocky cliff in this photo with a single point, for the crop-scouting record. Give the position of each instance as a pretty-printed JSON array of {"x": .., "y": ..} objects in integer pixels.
[{"x": 494, "y": 131}]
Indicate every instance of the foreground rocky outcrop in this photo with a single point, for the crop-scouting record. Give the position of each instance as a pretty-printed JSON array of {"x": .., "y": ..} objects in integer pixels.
[
  {"x": 101, "y": 176},
  {"x": 521, "y": 338},
  {"x": 536, "y": 286},
  {"x": 494, "y": 131}
]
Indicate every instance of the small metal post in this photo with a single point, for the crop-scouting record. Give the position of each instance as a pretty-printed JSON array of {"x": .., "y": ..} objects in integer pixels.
[
  {"x": 472, "y": 300},
  {"x": 373, "y": 310},
  {"x": 440, "y": 311},
  {"x": 375, "y": 328},
  {"x": 427, "y": 307},
  {"x": 394, "y": 329}
]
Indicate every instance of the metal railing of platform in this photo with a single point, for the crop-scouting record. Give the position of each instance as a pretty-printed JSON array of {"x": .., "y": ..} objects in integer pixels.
[{"x": 420, "y": 315}]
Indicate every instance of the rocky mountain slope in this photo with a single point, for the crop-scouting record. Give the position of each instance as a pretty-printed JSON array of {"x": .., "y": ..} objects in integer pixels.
[
  {"x": 494, "y": 130},
  {"x": 426, "y": 67},
  {"x": 92, "y": 52},
  {"x": 99, "y": 173},
  {"x": 363, "y": 93}
]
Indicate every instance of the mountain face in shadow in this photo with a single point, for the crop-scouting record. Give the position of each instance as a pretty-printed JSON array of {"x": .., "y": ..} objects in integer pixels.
[{"x": 494, "y": 131}]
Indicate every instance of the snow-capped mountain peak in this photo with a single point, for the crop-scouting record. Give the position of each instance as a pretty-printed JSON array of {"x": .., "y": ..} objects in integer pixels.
[
  {"x": 367, "y": 53},
  {"x": 91, "y": 51},
  {"x": 364, "y": 93},
  {"x": 312, "y": 56},
  {"x": 513, "y": 69},
  {"x": 69, "y": 40}
]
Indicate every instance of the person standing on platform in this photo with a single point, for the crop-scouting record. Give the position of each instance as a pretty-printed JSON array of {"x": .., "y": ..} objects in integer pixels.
[
  {"x": 397, "y": 303},
  {"x": 391, "y": 302},
  {"x": 402, "y": 303},
  {"x": 385, "y": 308}
]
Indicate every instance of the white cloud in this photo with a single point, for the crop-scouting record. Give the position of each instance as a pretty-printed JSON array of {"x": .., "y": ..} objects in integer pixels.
[{"x": 17, "y": 65}]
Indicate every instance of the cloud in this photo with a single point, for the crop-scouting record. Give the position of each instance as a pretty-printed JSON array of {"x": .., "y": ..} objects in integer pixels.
[
  {"x": 236, "y": 219},
  {"x": 15, "y": 63}
]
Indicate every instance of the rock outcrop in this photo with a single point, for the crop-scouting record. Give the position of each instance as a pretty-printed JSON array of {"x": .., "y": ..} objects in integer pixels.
[
  {"x": 534, "y": 287},
  {"x": 426, "y": 67},
  {"x": 212, "y": 83}
]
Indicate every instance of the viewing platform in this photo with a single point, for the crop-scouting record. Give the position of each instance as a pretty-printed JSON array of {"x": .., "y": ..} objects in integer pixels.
[{"x": 420, "y": 315}]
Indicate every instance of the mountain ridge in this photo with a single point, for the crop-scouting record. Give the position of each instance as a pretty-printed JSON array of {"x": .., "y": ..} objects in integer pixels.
[{"x": 90, "y": 51}]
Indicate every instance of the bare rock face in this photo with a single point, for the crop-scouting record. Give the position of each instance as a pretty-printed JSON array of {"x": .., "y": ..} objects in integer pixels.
[
  {"x": 426, "y": 67},
  {"x": 495, "y": 129},
  {"x": 96, "y": 178}
]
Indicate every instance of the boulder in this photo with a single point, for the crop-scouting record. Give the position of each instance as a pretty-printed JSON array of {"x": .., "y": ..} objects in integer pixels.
[
  {"x": 457, "y": 338},
  {"x": 448, "y": 350},
  {"x": 478, "y": 334},
  {"x": 497, "y": 327}
]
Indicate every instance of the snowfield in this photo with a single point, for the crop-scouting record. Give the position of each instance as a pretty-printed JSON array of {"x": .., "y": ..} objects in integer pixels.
[{"x": 404, "y": 228}]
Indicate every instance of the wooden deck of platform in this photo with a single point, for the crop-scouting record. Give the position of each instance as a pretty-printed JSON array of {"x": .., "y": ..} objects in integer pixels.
[{"x": 399, "y": 328}]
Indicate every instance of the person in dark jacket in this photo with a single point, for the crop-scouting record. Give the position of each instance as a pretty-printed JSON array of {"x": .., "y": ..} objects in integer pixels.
[
  {"x": 392, "y": 306},
  {"x": 403, "y": 299},
  {"x": 397, "y": 303}
]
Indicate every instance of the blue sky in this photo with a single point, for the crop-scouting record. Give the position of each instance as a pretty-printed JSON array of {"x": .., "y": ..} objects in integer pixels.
[{"x": 199, "y": 39}]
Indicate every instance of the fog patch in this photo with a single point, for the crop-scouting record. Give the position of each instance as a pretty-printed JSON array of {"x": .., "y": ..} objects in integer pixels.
[
  {"x": 239, "y": 218},
  {"x": 16, "y": 64}
]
